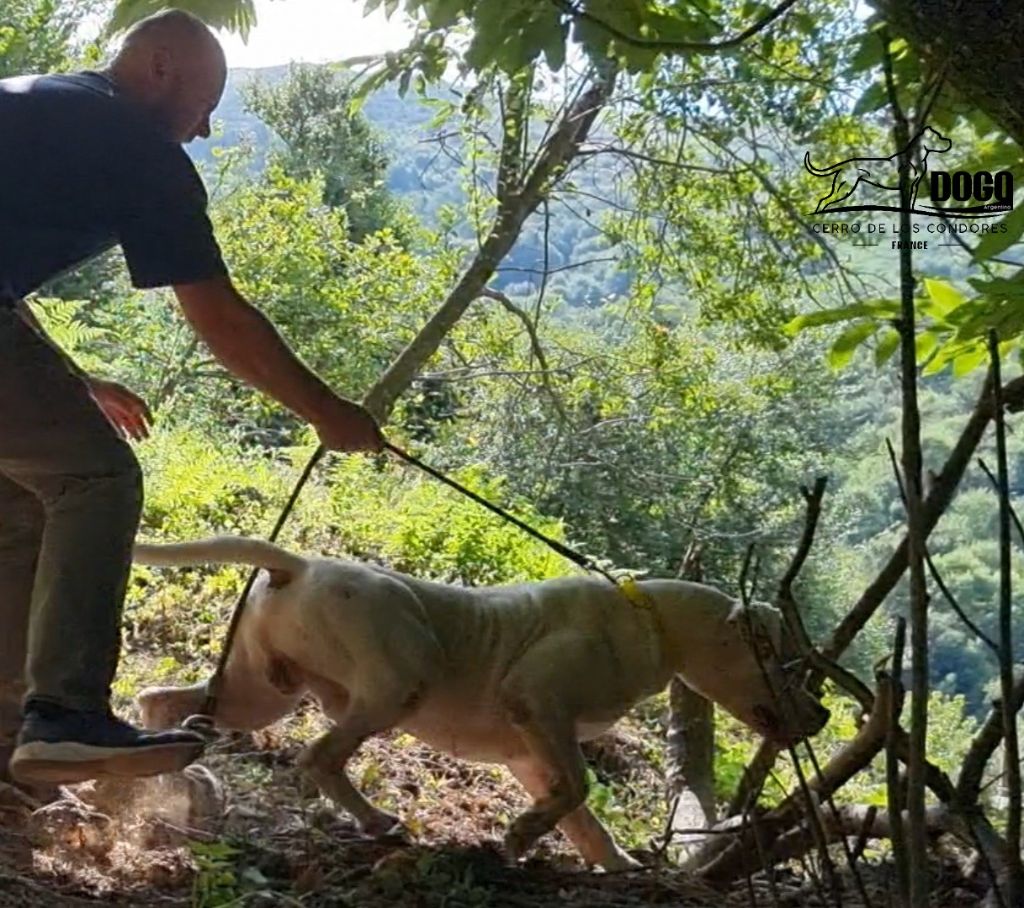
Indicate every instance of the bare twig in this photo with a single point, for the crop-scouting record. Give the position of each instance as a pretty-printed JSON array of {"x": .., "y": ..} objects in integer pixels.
[
  {"x": 934, "y": 571},
  {"x": 784, "y": 599},
  {"x": 1013, "y": 511},
  {"x": 577, "y": 11},
  {"x": 892, "y": 766},
  {"x": 535, "y": 346},
  {"x": 1011, "y": 744}
]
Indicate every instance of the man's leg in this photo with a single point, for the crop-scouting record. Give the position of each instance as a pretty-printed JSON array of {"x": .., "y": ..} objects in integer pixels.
[
  {"x": 56, "y": 444},
  {"x": 21, "y": 533}
]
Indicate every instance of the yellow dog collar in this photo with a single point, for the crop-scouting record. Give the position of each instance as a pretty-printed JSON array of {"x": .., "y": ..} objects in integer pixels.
[{"x": 631, "y": 590}]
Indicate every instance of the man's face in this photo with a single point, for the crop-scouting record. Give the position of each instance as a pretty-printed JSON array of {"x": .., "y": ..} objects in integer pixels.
[{"x": 187, "y": 93}]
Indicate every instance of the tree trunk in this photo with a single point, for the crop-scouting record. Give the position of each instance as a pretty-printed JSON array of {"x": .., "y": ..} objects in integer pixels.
[
  {"x": 691, "y": 738},
  {"x": 691, "y": 757}
]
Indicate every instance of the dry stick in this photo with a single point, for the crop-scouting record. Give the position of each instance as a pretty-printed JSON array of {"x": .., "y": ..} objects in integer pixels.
[
  {"x": 1013, "y": 510},
  {"x": 751, "y": 894},
  {"x": 755, "y": 772},
  {"x": 791, "y": 613},
  {"x": 1011, "y": 744},
  {"x": 865, "y": 831},
  {"x": 817, "y": 828},
  {"x": 851, "y": 759},
  {"x": 784, "y": 598},
  {"x": 894, "y": 740},
  {"x": 894, "y": 796},
  {"x": 769, "y": 869},
  {"x": 916, "y": 529},
  {"x": 813, "y": 815},
  {"x": 939, "y": 497},
  {"x": 934, "y": 571},
  {"x": 851, "y": 859}
]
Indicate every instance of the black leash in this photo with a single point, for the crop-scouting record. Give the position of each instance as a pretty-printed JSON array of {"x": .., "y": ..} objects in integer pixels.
[
  {"x": 581, "y": 560},
  {"x": 203, "y": 722}
]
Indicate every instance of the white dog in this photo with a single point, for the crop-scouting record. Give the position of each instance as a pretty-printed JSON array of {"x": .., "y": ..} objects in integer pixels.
[{"x": 513, "y": 674}]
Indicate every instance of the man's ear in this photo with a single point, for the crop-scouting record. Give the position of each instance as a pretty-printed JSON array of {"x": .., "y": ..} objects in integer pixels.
[{"x": 160, "y": 66}]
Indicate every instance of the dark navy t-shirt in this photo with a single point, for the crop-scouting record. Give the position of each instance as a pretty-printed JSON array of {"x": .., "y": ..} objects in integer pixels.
[{"x": 83, "y": 169}]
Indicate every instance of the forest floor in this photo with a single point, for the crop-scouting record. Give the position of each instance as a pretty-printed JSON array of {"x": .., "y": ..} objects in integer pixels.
[{"x": 251, "y": 832}]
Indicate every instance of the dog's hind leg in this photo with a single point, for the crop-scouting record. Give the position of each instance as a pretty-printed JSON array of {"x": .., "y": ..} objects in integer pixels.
[{"x": 581, "y": 827}]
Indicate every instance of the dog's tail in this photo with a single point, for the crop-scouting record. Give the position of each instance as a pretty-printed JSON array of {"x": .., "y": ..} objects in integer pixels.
[
  {"x": 224, "y": 550},
  {"x": 818, "y": 171}
]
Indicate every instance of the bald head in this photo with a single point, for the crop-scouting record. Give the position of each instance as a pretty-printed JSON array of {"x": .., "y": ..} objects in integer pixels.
[{"x": 172, "y": 64}]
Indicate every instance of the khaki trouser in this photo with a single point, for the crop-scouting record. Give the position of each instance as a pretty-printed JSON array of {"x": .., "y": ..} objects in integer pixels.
[{"x": 70, "y": 499}]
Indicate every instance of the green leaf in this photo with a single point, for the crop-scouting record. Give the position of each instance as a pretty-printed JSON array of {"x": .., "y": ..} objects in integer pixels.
[
  {"x": 887, "y": 345},
  {"x": 945, "y": 296},
  {"x": 444, "y": 13},
  {"x": 1001, "y": 288},
  {"x": 234, "y": 15},
  {"x": 870, "y": 48},
  {"x": 991, "y": 244},
  {"x": 969, "y": 361},
  {"x": 847, "y": 343},
  {"x": 873, "y": 99},
  {"x": 925, "y": 344},
  {"x": 872, "y": 309}
]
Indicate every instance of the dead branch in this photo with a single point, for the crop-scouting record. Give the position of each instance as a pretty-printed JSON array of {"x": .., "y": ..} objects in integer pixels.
[
  {"x": 535, "y": 346},
  {"x": 854, "y": 756},
  {"x": 855, "y": 820},
  {"x": 1011, "y": 744},
  {"x": 983, "y": 745},
  {"x": 894, "y": 791},
  {"x": 934, "y": 571},
  {"x": 1013, "y": 511},
  {"x": 784, "y": 598},
  {"x": 917, "y": 532},
  {"x": 577, "y": 11}
]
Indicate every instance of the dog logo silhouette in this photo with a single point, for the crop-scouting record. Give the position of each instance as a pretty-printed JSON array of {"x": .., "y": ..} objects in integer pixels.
[{"x": 882, "y": 173}]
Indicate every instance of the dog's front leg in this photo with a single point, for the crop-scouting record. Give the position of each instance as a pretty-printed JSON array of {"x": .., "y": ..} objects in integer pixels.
[
  {"x": 583, "y": 829},
  {"x": 552, "y": 749},
  {"x": 325, "y": 759}
]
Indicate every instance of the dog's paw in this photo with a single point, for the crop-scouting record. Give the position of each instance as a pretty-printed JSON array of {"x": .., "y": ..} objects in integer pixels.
[
  {"x": 381, "y": 824},
  {"x": 520, "y": 838},
  {"x": 619, "y": 862}
]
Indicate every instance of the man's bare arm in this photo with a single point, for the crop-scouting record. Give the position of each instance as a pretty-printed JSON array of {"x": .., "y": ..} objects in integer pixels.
[{"x": 248, "y": 345}]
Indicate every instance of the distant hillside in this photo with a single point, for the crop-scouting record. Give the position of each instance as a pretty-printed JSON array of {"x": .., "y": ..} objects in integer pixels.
[{"x": 426, "y": 180}]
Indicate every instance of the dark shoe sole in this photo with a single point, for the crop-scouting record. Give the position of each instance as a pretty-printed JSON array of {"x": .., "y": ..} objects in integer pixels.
[{"x": 67, "y": 762}]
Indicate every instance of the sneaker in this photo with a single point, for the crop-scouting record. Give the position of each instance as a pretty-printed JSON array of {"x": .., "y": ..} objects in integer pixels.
[{"x": 61, "y": 746}]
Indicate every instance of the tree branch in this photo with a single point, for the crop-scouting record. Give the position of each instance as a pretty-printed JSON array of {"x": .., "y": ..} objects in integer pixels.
[{"x": 579, "y": 13}]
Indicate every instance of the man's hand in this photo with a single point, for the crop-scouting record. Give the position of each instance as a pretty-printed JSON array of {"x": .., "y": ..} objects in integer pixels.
[
  {"x": 127, "y": 412},
  {"x": 348, "y": 426}
]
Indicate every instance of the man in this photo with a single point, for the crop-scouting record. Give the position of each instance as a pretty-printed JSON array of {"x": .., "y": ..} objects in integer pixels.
[{"x": 88, "y": 161}]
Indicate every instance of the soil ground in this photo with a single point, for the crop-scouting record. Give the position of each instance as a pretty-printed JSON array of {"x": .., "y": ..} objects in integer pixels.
[{"x": 266, "y": 839}]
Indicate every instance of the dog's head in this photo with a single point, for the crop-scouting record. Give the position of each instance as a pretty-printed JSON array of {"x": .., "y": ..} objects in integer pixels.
[
  {"x": 168, "y": 707},
  {"x": 765, "y": 688}
]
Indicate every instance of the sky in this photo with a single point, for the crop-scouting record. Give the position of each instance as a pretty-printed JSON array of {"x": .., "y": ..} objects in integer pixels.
[{"x": 314, "y": 31}]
